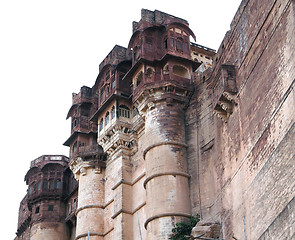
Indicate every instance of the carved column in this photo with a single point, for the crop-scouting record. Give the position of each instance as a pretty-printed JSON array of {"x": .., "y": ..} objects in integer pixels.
[{"x": 90, "y": 221}]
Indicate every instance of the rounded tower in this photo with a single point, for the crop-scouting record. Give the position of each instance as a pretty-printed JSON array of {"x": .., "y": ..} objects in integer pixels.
[
  {"x": 88, "y": 168},
  {"x": 162, "y": 86},
  {"x": 45, "y": 198}
]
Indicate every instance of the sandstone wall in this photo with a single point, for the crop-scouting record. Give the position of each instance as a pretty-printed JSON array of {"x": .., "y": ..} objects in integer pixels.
[
  {"x": 245, "y": 178},
  {"x": 48, "y": 231}
]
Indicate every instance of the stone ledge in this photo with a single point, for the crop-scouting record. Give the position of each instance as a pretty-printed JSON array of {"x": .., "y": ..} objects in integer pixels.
[{"x": 183, "y": 174}]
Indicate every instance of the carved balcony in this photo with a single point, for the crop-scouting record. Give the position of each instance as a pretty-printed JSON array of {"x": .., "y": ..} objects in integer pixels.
[{"x": 90, "y": 153}]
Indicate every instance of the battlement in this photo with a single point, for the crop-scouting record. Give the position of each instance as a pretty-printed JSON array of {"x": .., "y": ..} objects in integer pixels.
[
  {"x": 46, "y": 158},
  {"x": 154, "y": 18},
  {"x": 116, "y": 55}
]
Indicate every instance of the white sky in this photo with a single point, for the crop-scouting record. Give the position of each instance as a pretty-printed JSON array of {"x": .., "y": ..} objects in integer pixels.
[{"x": 49, "y": 49}]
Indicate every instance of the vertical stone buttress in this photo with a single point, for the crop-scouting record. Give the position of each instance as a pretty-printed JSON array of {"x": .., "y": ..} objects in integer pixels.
[
  {"x": 90, "y": 199},
  {"x": 118, "y": 142},
  {"x": 166, "y": 181}
]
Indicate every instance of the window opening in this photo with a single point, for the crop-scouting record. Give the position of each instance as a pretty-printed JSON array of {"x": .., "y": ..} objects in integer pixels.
[
  {"x": 113, "y": 112},
  {"x": 107, "y": 119},
  {"x": 51, "y": 184},
  {"x": 39, "y": 186},
  {"x": 101, "y": 125},
  {"x": 30, "y": 189},
  {"x": 139, "y": 79},
  {"x": 165, "y": 43},
  {"x": 179, "y": 44},
  {"x": 37, "y": 209},
  {"x": 124, "y": 111},
  {"x": 45, "y": 185},
  {"x": 149, "y": 72},
  {"x": 180, "y": 71},
  {"x": 166, "y": 69},
  {"x": 74, "y": 148},
  {"x": 58, "y": 184},
  {"x": 113, "y": 84}
]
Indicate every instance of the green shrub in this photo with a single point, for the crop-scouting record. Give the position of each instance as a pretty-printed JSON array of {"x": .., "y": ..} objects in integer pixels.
[{"x": 184, "y": 228}]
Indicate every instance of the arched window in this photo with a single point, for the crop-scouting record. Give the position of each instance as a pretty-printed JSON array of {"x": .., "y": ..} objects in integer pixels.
[
  {"x": 37, "y": 209},
  {"x": 166, "y": 69},
  {"x": 58, "y": 184},
  {"x": 165, "y": 43},
  {"x": 179, "y": 44},
  {"x": 180, "y": 71},
  {"x": 149, "y": 72},
  {"x": 124, "y": 111},
  {"x": 113, "y": 113},
  {"x": 74, "y": 147},
  {"x": 45, "y": 184},
  {"x": 39, "y": 186},
  {"x": 51, "y": 184},
  {"x": 107, "y": 118},
  {"x": 138, "y": 79},
  {"x": 101, "y": 125}
]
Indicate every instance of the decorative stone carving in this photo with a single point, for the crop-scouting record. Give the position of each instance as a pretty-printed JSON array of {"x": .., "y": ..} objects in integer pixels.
[
  {"x": 151, "y": 105},
  {"x": 224, "y": 91},
  {"x": 79, "y": 166},
  {"x": 97, "y": 170},
  {"x": 119, "y": 136},
  {"x": 83, "y": 171}
]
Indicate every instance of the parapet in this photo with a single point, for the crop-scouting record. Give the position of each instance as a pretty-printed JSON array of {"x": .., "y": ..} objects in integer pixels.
[{"x": 154, "y": 18}]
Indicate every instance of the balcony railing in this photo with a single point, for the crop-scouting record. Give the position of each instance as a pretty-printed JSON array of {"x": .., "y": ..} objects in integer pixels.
[
  {"x": 158, "y": 77},
  {"x": 92, "y": 152}
]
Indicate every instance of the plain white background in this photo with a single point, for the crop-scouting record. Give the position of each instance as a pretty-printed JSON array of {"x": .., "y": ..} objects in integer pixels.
[{"x": 49, "y": 49}]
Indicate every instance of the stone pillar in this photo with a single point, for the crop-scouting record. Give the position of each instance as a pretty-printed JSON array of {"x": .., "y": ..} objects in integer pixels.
[
  {"x": 89, "y": 213},
  {"x": 166, "y": 183}
]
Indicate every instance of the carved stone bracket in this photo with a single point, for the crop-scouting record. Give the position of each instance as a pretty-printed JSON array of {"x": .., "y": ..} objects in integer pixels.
[
  {"x": 121, "y": 135},
  {"x": 169, "y": 93},
  {"x": 224, "y": 91}
]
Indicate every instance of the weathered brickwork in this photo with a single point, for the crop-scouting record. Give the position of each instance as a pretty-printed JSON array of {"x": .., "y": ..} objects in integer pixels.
[{"x": 172, "y": 129}]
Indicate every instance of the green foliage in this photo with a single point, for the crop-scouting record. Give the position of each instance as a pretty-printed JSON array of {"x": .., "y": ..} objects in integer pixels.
[{"x": 184, "y": 228}]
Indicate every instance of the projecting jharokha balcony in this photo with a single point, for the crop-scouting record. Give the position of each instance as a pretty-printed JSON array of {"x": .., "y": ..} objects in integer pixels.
[
  {"x": 83, "y": 124},
  {"x": 173, "y": 73},
  {"x": 91, "y": 152}
]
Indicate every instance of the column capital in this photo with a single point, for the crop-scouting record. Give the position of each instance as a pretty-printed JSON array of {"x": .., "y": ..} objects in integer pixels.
[
  {"x": 168, "y": 93},
  {"x": 79, "y": 167}
]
